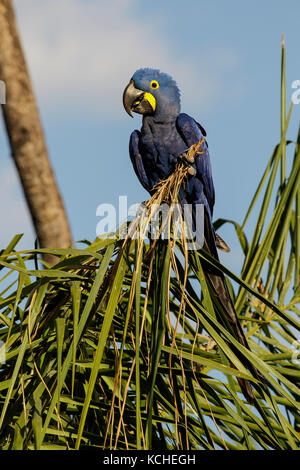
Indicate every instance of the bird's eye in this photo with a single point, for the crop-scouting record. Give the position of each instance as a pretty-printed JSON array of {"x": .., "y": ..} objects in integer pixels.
[{"x": 154, "y": 84}]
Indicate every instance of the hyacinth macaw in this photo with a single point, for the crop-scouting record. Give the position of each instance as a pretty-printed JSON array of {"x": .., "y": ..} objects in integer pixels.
[{"x": 165, "y": 136}]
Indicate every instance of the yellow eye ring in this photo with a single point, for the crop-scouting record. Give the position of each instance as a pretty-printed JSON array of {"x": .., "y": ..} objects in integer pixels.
[{"x": 154, "y": 85}]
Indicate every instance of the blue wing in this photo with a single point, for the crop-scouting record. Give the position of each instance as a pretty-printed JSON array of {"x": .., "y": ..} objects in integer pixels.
[
  {"x": 137, "y": 160},
  {"x": 192, "y": 133}
]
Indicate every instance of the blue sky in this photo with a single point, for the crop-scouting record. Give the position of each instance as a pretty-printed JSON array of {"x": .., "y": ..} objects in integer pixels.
[{"x": 225, "y": 57}]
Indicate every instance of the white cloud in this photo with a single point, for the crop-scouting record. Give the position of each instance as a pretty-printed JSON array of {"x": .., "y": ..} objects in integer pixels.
[{"x": 82, "y": 54}]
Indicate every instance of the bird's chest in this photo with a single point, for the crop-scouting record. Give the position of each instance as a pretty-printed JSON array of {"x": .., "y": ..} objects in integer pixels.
[{"x": 160, "y": 146}]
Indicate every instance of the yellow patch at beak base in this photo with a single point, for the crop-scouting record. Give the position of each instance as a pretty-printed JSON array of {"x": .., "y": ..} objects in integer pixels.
[{"x": 151, "y": 99}]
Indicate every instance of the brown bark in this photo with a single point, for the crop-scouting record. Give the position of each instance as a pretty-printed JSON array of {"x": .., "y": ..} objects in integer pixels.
[{"x": 27, "y": 140}]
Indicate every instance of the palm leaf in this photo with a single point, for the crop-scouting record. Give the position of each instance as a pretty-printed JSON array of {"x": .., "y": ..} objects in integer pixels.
[{"x": 121, "y": 344}]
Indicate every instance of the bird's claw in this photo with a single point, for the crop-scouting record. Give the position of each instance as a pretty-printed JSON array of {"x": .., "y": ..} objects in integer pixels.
[
  {"x": 185, "y": 157},
  {"x": 188, "y": 160}
]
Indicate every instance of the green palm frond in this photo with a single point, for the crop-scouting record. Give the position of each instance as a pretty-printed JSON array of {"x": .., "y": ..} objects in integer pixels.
[{"x": 121, "y": 344}]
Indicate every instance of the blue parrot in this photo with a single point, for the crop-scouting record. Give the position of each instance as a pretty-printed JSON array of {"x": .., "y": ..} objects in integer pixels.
[{"x": 163, "y": 140}]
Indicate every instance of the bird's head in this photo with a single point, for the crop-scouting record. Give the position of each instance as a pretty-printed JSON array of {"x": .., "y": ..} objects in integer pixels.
[{"x": 151, "y": 92}]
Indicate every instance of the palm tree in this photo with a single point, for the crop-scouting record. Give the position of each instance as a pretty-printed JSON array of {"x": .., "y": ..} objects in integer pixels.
[
  {"x": 27, "y": 142},
  {"x": 120, "y": 345}
]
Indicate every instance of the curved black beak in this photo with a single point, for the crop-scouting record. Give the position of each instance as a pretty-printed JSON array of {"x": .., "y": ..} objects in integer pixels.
[{"x": 135, "y": 100}]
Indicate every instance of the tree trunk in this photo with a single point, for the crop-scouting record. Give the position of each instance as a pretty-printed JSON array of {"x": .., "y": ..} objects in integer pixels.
[{"x": 27, "y": 140}]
